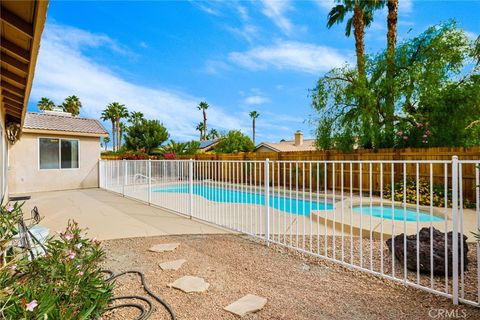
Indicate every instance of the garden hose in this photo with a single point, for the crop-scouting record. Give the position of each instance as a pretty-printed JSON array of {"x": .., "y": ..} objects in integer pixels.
[{"x": 144, "y": 313}]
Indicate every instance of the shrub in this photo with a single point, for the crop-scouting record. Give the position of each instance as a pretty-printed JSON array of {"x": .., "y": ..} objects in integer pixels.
[
  {"x": 438, "y": 193},
  {"x": 64, "y": 283}
]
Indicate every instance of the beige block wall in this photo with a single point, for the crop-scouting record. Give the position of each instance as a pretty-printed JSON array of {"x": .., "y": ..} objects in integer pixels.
[
  {"x": 25, "y": 175},
  {"x": 3, "y": 143}
]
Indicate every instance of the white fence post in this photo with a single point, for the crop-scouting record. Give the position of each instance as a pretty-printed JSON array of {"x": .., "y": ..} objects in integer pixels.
[
  {"x": 267, "y": 200},
  {"x": 455, "y": 229},
  {"x": 190, "y": 187},
  {"x": 149, "y": 181},
  {"x": 125, "y": 176}
]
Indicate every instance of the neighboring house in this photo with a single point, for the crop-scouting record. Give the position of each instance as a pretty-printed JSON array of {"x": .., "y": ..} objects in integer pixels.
[
  {"x": 56, "y": 152},
  {"x": 208, "y": 145},
  {"x": 21, "y": 27},
  {"x": 298, "y": 144}
]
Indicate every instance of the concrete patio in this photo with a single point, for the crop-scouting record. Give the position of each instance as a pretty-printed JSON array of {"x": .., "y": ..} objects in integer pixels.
[{"x": 110, "y": 216}]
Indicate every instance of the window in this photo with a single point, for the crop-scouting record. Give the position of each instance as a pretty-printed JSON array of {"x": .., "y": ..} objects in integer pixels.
[{"x": 58, "y": 153}]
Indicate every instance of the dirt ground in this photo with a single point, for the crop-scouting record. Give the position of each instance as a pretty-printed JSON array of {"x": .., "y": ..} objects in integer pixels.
[{"x": 296, "y": 286}]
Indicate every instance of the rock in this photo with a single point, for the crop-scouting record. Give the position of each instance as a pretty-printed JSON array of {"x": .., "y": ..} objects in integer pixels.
[
  {"x": 424, "y": 251},
  {"x": 190, "y": 284},
  {"x": 172, "y": 265},
  {"x": 164, "y": 247},
  {"x": 249, "y": 303}
]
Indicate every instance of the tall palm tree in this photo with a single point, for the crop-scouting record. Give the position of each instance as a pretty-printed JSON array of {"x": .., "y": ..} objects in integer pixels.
[
  {"x": 121, "y": 129},
  {"x": 135, "y": 117},
  {"x": 362, "y": 18},
  {"x": 200, "y": 127},
  {"x": 254, "y": 115},
  {"x": 72, "y": 104},
  {"x": 121, "y": 112},
  {"x": 109, "y": 114},
  {"x": 213, "y": 134},
  {"x": 106, "y": 140},
  {"x": 204, "y": 106},
  {"x": 392, "y": 18},
  {"x": 45, "y": 104}
]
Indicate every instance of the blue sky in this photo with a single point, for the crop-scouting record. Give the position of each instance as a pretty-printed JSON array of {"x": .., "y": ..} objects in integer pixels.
[{"x": 163, "y": 57}]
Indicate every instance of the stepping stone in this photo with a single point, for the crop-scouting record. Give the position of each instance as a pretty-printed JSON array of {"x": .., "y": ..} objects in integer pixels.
[
  {"x": 249, "y": 303},
  {"x": 172, "y": 265},
  {"x": 164, "y": 247},
  {"x": 190, "y": 284}
]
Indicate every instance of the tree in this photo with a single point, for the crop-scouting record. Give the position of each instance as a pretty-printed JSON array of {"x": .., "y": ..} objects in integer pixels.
[
  {"x": 106, "y": 141},
  {"x": 45, "y": 104},
  {"x": 121, "y": 129},
  {"x": 234, "y": 141},
  {"x": 72, "y": 104},
  {"x": 254, "y": 115},
  {"x": 109, "y": 114},
  {"x": 213, "y": 134},
  {"x": 135, "y": 116},
  {"x": 182, "y": 148},
  {"x": 200, "y": 127},
  {"x": 115, "y": 112},
  {"x": 392, "y": 18},
  {"x": 145, "y": 135},
  {"x": 362, "y": 18},
  {"x": 203, "y": 106}
]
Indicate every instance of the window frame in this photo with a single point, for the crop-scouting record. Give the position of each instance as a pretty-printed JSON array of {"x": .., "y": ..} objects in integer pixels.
[{"x": 59, "y": 153}]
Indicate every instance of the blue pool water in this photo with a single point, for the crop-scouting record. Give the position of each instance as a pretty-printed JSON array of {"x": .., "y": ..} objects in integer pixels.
[
  {"x": 397, "y": 213},
  {"x": 218, "y": 194}
]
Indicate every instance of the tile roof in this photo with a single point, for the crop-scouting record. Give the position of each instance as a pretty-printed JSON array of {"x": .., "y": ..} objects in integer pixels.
[
  {"x": 66, "y": 123},
  {"x": 289, "y": 145}
]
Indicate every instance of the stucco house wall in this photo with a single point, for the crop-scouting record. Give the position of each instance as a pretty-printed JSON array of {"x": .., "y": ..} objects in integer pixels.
[{"x": 26, "y": 176}]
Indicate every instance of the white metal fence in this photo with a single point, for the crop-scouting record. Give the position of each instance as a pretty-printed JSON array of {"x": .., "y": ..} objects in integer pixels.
[{"x": 351, "y": 212}]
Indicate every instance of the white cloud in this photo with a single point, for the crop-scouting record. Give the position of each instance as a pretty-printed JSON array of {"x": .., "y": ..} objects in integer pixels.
[
  {"x": 290, "y": 55},
  {"x": 256, "y": 100},
  {"x": 405, "y": 7},
  {"x": 205, "y": 7},
  {"x": 471, "y": 35},
  {"x": 276, "y": 10},
  {"x": 326, "y": 4},
  {"x": 63, "y": 70}
]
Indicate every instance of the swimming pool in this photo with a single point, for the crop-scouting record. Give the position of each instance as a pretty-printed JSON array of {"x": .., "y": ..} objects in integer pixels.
[
  {"x": 218, "y": 194},
  {"x": 397, "y": 213}
]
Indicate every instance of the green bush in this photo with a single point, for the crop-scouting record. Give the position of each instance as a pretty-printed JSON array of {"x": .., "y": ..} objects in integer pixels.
[{"x": 64, "y": 283}]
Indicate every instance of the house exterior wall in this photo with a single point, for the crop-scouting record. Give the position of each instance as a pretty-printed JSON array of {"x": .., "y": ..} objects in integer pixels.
[
  {"x": 3, "y": 159},
  {"x": 25, "y": 175}
]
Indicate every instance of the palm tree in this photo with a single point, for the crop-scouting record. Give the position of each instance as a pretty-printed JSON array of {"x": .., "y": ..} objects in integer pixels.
[
  {"x": 204, "y": 106},
  {"x": 135, "y": 117},
  {"x": 362, "y": 18},
  {"x": 72, "y": 104},
  {"x": 45, "y": 104},
  {"x": 213, "y": 134},
  {"x": 106, "y": 140},
  {"x": 121, "y": 129},
  {"x": 200, "y": 127},
  {"x": 109, "y": 114},
  {"x": 392, "y": 18},
  {"x": 254, "y": 115}
]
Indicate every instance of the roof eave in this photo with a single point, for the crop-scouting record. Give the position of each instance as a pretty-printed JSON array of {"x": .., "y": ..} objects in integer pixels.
[{"x": 64, "y": 133}]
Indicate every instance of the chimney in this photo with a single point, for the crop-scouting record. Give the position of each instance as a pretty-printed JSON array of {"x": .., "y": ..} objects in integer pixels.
[{"x": 298, "y": 138}]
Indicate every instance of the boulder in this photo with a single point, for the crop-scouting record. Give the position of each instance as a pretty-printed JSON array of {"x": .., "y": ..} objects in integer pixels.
[{"x": 424, "y": 251}]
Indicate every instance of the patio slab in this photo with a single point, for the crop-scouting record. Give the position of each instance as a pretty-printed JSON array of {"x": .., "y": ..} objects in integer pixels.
[
  {"x": 247, "y": 304},
  {"x": 190, "y": 284},
  {"x": 110, "y": 216},
  {"x": 172, "y": 265}
]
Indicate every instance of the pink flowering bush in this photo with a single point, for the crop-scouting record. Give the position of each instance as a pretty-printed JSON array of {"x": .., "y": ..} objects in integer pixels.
[{"x": 65, "y": 283}]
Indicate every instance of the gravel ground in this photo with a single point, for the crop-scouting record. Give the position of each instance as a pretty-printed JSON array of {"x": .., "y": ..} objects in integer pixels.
[{"x": 296, "y": 286}]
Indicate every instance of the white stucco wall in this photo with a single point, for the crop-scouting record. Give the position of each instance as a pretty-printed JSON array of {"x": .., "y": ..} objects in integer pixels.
[{"x": 25, "y": 175}]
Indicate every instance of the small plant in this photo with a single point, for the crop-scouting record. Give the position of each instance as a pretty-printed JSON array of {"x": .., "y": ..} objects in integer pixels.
[{"x": 64, "y": 283}]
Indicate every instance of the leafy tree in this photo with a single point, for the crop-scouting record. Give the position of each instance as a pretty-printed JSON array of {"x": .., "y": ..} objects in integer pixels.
[
  {"x": 201, "y": 128},
  {"x": 234, "y": 141},
  {"x": 72, "y": 104},
  {"x": 45, "y": 104},
  {"x": 106, "y": 141},
  {"x": 254, "y": 115},
  {"x": 146, "y": 135},
  {"x": 182, "y": 148},
  {"x": 121, "y": 129},
  {"x": 203, "y": 106}
]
